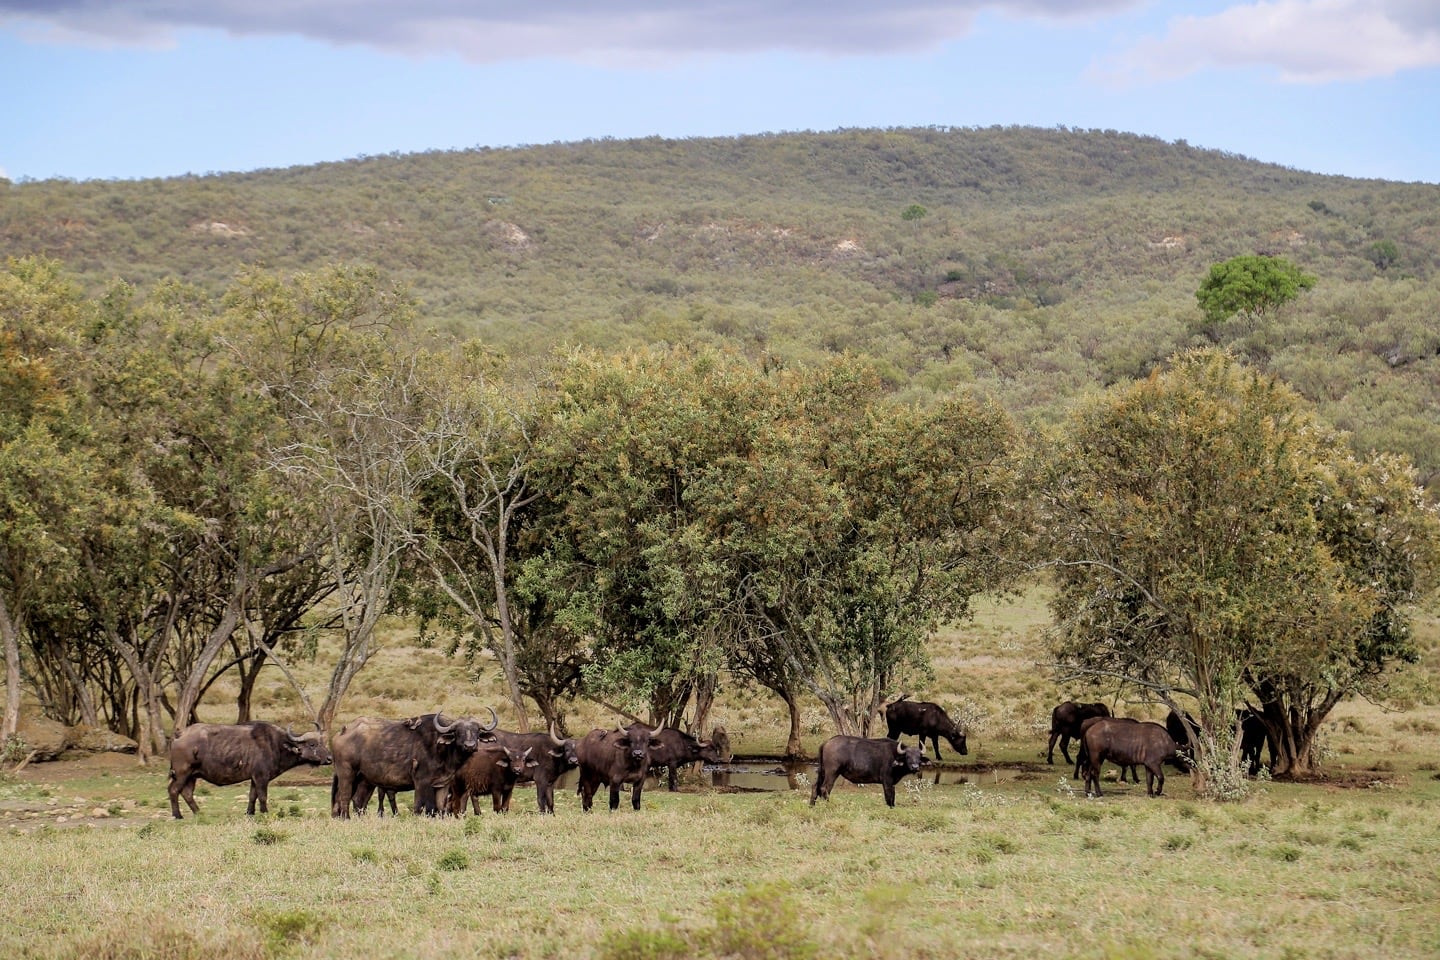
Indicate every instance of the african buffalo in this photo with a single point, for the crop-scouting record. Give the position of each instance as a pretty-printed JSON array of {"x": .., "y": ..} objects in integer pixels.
[
  {"x": 551, "y": 755},
  {"x": 1180, "y": 731},
  {"x": 420, "y": 754},
  {"x": 679, "y": 749},
  {"x": 1065, "y": 722},
  {"x": 1254, "y": 736},
  {"x": 493, "y": 768},
  {"x": 1081, "y": 756},
  {"x": 923, "y": 719},
  {"x": 879, "y": 760},
  {"x": 1147, "y": 744},
  {"x": 615, "y": 757},
  {"x": 223, "y": 754}
]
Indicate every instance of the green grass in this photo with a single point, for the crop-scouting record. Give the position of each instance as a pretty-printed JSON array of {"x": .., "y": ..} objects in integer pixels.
[{"x": 1293, "y": 872}]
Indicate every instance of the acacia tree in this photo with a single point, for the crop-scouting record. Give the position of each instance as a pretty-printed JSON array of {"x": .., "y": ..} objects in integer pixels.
[
  {"x": 1192, "y": 523},
  {"x": 330, "y": 350},
  {"x": 873, "y": 524},
  {"x": 472, "y": 453},
  {"x": 625, "y": 441},
  {"x": 43, "y": 468},
  {"x": 1250, "y": 287}
]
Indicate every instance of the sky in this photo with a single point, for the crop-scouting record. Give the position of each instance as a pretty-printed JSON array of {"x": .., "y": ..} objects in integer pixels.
[{"x": 127, "y": 89}]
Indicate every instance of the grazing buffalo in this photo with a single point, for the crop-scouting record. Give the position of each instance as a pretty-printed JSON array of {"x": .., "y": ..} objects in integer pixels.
[
  {"x": 550, "y": 757},
  {"x": 1180, "y": 732},
  {"x": 1146, "y": 744},
  {"x": 679, "y": 749},
  {"x": 223, "y": 754},
  {"x": 1081, "y": 756},
  {"x": 923, "y": 719},
  {"x": 1065, "y": 723},
  {"x": 420, "y": 754},
  {"x": 613, "y": 758},
  {"x": 1254, "y": 736},
  {"x": 879, "y": 760},
  {"x": 493, "y": 768}
]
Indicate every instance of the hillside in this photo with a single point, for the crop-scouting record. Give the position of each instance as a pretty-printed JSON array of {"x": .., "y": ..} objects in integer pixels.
[{"x": 1035, "y": 263}]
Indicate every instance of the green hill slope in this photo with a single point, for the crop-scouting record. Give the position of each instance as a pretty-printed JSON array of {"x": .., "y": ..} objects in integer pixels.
[{"x": 1037, "y": 263}]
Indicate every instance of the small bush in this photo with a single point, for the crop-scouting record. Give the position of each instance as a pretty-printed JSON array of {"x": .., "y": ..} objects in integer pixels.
[
  {"x": 365, "y": 855},
  {"x": 267, "y": 837},
  {"x": 289, "y": 928},
  {"x": 474, "y": 826},
  {"x": 454, "y": 860},
  {"x": 644, "y": 945},
  {"x": 762, "y": 923}
]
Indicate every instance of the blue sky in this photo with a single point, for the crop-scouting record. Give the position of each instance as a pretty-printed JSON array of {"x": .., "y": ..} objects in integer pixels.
[{"x": 154, "y": 88}]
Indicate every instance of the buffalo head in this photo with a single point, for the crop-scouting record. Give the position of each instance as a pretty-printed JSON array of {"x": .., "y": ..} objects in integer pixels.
[{"x": 310, "y": 746}]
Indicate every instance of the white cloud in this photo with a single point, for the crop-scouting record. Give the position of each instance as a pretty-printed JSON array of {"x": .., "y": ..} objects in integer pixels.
[
  {"x": 1305, "y": 41},
  {"x": 489, "y": 30}
]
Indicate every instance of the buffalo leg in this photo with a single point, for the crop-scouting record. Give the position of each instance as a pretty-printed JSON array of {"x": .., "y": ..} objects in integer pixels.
[
  {"x": 821, "y": 790},
  {"x": 184, "y": 789},
  {"x": 1092, "y": 775},
  {"x": 614, "y": 796},
  {"x": 256, "y": 795},
  {"x": 635, "y": 795},
  {"x": 360, "y": 797},
  {"x": 889, "y": 794},
  {"x": 587, "y": 791},
  {"x": 935, "y": 742}
]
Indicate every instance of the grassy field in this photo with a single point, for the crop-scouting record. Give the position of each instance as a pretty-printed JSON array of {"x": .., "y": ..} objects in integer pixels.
[{"x": 1020, "y": 865}]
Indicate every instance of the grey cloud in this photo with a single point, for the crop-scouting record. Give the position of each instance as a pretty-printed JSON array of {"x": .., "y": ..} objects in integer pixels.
[{"x": 490, "y": 30}]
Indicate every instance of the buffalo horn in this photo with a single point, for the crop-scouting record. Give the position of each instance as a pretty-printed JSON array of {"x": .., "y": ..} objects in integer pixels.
[
  {"x": 443, "y": 727},
  {"x": 900, "y": 748},
  {"x": 290, "y": 731},
  {"x": 494, "y": 720},
  {"x": 554, "y": 739}
]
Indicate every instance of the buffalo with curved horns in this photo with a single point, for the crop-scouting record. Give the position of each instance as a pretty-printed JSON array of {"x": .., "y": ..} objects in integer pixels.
[
  {"x": 865, "y": 760},
  {"x": 421, "y": 753}
]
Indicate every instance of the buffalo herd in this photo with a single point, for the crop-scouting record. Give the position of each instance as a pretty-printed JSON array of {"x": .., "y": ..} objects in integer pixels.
[{"x": 448, "y": 763}]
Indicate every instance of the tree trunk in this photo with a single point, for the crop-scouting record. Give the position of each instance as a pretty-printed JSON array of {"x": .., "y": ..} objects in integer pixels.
[
  {"x": 246, "y": 696},
  {"x": 704, "y": 702},
  {"x": 11, "y": 639},
  {"x": 224, "y": 630},
  {"x": 793, "y": 748}
]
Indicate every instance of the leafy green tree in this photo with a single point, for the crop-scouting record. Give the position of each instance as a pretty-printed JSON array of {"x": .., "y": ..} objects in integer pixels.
[
  {"x": 1249, "y": 286},
  {"x": 1205, "y": 541},
  {"x": 914, "y": 212},
  {"x": 42, "y": 470},
  {"x": 626, "y": 439}
]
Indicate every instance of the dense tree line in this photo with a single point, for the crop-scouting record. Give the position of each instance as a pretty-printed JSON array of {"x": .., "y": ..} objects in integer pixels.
[{"x": 192, "y": 487}]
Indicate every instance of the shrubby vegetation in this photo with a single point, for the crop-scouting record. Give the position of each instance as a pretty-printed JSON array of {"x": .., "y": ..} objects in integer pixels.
[{"x": 1047, "y": 261}]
